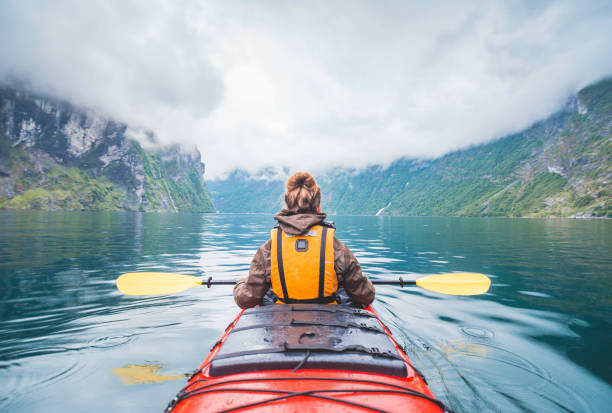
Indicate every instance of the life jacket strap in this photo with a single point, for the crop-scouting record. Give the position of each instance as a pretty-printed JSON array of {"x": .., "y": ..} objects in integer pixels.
[
  {"x": 279, "y": 259},
  {"x": 322, "y": 263}
]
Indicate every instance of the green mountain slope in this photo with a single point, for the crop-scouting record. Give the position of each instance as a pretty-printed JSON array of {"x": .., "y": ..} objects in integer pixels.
[
  {"x": 56, "y": 156},
  {"x": 560, "y": 166},
  {"x": 242, "y": 192}
]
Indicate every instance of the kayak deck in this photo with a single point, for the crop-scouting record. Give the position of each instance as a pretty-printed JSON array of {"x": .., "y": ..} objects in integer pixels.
[
  {"x": 306, "y": 357},
  {"x": 324, "y": 337}
]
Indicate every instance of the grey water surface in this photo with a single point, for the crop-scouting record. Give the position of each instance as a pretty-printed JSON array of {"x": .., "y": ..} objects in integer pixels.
[{"x": 539, "y": 341}]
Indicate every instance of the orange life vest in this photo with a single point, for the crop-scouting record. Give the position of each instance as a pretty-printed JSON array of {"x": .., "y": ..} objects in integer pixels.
[{"x": 303, "y": 266}]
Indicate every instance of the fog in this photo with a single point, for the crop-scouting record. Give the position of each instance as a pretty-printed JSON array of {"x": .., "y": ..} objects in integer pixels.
[{"x": 312, "y": 84}]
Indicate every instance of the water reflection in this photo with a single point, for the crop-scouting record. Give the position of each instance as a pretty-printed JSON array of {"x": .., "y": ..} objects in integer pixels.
[
  {"x": 144, "y": 374},
  {"x": 538, "y": 341}
]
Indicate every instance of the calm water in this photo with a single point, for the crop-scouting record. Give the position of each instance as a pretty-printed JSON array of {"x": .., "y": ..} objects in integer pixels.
[{"x": 538, "y": 341}]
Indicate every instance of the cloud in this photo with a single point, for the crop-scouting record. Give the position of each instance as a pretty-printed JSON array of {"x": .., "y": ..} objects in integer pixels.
[
  {"x": 142, "y": 62},
  {"x": 312, "y": 84}
]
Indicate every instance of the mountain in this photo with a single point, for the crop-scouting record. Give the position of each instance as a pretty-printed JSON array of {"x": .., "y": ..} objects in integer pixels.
[
  {"x": 244, "y": 192},
  {"x": 560, "y": 166},
  {"x": 57, "y": 156}
]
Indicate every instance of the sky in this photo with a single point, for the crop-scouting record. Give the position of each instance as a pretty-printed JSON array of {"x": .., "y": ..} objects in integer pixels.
[{"x": 310, "y": 85}]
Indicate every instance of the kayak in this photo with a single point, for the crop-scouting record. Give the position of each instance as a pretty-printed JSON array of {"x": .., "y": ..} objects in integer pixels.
[{"x": 306, "y": 357}]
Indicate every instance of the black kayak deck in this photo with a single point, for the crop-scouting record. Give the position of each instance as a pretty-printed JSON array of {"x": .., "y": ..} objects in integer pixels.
[{"x": 308, "y": 336}]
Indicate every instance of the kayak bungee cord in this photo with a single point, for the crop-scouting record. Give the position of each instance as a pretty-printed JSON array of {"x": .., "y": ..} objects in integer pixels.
[
  {"x": 335, "y": 399},
  {"x": 363, "y": 381},
  {"x": 299, "y": 366},
  {"x": 289, "y": 394},
  {"x": 309, "y": 393},
  {"x": 182, "y": 395}
]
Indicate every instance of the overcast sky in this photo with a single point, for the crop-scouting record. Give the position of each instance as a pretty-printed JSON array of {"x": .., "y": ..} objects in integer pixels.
[{"x": 311, "y": 84}]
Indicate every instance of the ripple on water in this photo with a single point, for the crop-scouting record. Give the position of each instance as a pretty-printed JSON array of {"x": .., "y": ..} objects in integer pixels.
[
  {"x": 480, "y": 333},
  {"x": 497, "y": 366},
  {"x": 110, "y": 341},
  {"x": 482, "y": 377},
  {"x": 474, "y": 373},
  {"x": 535, "y": 294},
  {"x": 577, "y": 322},
  {"x": 20, "y": 377}
]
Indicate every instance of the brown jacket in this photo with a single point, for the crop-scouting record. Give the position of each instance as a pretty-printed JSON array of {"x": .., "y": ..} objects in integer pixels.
[{"x": 251, "y": 288}]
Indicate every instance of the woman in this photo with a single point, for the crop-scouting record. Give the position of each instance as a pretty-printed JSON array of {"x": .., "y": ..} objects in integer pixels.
[{"x": 303, "y": 262}]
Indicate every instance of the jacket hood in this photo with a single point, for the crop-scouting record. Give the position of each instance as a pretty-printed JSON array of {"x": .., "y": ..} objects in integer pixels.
[{"x": 298, "y": 223}]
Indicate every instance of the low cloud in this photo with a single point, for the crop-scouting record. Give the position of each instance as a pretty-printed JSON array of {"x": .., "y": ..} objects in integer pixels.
[{"x": 314, "y": 84}]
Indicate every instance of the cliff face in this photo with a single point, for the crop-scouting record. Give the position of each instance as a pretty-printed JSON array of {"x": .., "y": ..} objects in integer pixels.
[
  {"x": 560, "y": 166},
  {"x": 54, "y": 155}
]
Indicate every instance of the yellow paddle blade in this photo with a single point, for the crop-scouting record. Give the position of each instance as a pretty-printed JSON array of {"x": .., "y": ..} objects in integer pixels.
[
  {"x": 144, "y": 373},
  {"x": 463, "y": 283},
  {"x": 155, "y": 283}
]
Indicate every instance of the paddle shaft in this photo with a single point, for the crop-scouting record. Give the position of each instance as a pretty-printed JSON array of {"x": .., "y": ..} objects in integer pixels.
[
  {"x": 401, "y": 282},
  {"x": 210, "y": 283}
]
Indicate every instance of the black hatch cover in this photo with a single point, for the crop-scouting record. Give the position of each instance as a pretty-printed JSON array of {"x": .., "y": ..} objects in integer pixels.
[{"x": 308, "y": 336}]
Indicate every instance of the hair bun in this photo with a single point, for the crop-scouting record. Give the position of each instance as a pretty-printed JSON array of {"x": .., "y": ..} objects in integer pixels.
[
  {"x": 303, "y": 193},
  {"x": 301, "y": 180}
]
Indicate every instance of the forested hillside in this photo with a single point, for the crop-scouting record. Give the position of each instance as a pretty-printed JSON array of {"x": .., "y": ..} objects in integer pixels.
[{"x": 560, "y": 166}]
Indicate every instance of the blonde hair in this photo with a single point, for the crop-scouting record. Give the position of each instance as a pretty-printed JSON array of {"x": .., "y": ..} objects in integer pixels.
[{"x": 303, "y": 194}]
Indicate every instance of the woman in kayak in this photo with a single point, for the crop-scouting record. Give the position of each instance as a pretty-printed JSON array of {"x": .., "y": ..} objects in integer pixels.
[{"x": 303, "y": 262}]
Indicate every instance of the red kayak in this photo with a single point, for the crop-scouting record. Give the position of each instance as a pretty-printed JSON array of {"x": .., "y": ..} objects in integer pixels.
[{"x": 306, "y": 358}]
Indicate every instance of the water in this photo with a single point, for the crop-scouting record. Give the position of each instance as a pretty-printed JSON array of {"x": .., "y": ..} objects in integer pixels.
[{"x": 538, "y": 341}]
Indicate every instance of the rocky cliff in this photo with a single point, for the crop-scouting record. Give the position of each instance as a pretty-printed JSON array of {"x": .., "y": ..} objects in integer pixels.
[
  {"x": 560, "y": 166},
  {"x": 54, "y": 155}
]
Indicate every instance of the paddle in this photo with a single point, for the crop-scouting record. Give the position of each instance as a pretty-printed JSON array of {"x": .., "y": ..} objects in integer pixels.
[{"x": 157, "y": 283}]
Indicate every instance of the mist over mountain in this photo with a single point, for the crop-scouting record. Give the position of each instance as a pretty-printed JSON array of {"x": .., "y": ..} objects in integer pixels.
[
  {"x": 58, "y": 156},
  {"x": 559, "y": 166}
]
